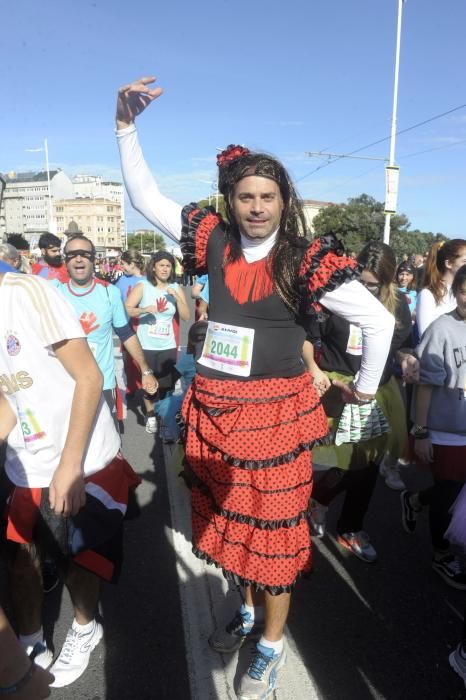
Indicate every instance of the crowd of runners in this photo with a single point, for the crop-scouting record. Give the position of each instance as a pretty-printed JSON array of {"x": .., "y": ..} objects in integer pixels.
[{"x": 301, "y": 354}]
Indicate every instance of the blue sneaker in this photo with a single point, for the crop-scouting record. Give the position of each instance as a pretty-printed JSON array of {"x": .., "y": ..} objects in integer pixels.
[
  {"x": 457, "y": 661},
  {"x": 260, "y": 680},
  {"x": 228, "y": 639}
]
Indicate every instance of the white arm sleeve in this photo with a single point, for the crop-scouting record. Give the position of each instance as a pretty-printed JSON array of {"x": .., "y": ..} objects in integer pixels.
[
  {"x": 353, "y": 302},
  {"x": 142, "y": 189},
  {"x": 426, "y": 310}
]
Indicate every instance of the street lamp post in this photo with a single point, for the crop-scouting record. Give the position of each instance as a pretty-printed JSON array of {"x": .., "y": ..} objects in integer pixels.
[
  {"x": 386, "y": 233},
  {"x": 46, "y": 150}
]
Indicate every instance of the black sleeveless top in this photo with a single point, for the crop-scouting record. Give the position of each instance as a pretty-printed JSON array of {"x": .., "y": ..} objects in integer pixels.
[{"x": 279, "y": 333}]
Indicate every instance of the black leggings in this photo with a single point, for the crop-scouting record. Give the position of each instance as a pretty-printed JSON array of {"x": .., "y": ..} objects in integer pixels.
[
  {"x": 359, "y": 486},
  {"x": 440, "y": 498}
]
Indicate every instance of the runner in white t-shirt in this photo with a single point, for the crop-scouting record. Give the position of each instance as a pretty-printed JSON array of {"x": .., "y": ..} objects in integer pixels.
[{"x": 66, "y": 481}]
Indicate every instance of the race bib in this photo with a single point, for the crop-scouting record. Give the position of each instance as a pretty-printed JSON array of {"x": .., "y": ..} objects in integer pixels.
[
  {"x": 354, "y": 346},
  {"x": 160, "y": 329},
  {"x": 228, "y": 349},
  {"x": 35, "y": 438}
]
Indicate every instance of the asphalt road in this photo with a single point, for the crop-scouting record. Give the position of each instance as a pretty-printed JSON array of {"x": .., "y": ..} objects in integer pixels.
[{"x": 359, "y": 631}]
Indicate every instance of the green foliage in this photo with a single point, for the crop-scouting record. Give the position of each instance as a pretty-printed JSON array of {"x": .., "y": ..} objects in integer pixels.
[
  {"x": 18, "y": 240},
  {"x": 148, "y": 242},
  {"x": 213, "y": 201},
  {"x": 362, "y": 219}
]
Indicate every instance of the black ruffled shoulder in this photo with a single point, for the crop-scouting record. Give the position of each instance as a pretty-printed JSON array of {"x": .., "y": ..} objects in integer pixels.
[
  {"x": 324, "y": 267},
  {"x": 197, "y": 226}
]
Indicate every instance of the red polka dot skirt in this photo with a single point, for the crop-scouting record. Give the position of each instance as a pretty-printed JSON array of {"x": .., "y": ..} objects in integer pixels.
[{"x": 248, "y": 450}]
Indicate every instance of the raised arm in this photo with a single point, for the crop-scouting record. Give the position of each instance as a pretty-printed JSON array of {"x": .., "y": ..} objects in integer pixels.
[
  {"x": 356, "y": 305},
  {"x": 141, "y": 186}
]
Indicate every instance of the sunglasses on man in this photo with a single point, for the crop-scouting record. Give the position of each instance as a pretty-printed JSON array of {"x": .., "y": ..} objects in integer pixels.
[{"x": 88, "y": 254}]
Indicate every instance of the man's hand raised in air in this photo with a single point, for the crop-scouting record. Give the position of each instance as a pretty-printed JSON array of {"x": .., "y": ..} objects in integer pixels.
[{"x": 133, "y": 99}]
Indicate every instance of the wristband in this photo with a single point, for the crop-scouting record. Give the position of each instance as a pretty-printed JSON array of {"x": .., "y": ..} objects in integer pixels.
[
  {"x": 9, "y": 690},
  {"x": 420, "y": 432}
]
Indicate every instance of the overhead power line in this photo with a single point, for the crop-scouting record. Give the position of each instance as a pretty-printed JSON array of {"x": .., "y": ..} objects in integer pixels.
[
  {"x": 408, "y": 155},
  {"x": 385, "y": 138}
]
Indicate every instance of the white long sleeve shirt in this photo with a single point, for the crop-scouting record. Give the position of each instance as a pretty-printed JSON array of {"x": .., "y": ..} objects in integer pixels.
[
  {"x": 351, "y": 301},
  {"x": 427, "y": 309}
]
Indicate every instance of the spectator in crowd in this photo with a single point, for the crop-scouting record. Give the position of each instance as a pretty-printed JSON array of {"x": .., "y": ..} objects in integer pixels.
[
  {"x": 406, "y": 278},
  {"x": 355, "y": 459},
  {"x": 443, "y": 261},
  {"x": 63, "y": 468},
  {"x": 19, "y": 675},
  {"x": 440, "y": 429},
  {"x": 10, "y": 255},
  {"x": 158, "y": 303},
  {"x": 132, "y": 263},
  {"x": 51, "y": 265}
]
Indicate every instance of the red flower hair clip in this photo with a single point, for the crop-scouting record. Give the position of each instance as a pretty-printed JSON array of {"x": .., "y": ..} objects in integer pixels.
[{"x": 230, "y": 154}]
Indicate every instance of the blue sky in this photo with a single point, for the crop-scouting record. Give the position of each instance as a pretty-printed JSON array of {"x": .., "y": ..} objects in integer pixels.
[{"x": 287, "y": 78}]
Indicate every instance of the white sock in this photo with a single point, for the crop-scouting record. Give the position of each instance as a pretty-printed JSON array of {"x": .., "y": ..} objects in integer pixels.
[
  {"x": 29, "y": 641},
  {"x": 245, "y": 608},
  {"x": 83, "y": 629},
  {"x": 256, "y": 612},
  {"x": 276, "y": 646}
]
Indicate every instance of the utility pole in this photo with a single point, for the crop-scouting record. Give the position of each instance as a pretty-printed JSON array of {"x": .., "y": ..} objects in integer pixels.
[
  {"x": 391, "y": 160},
  {"x": 46, "y": 149},
  {"x": 51, "y": 225}
]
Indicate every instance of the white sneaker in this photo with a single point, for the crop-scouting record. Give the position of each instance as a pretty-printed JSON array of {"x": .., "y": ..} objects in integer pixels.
[
  {"x": 75, "y": 654},
  {"x": 151, "y": 424},
  {"x": 391, "y": 474},
  {"x": 318, "y": 518},
  {"x": 40, "y": 654}
]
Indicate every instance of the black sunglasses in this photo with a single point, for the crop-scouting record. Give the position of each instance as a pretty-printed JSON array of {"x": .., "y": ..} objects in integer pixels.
[{"x": 88, "y": 254}]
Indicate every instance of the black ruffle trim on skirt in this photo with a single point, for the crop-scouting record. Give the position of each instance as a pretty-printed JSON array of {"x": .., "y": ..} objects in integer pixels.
[
  {"x": 243, "y": 582},
  {"x": 254, "y": 464}
]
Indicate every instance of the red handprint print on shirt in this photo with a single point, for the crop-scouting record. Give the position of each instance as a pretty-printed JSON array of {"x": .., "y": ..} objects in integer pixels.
[
  {"x": 86, "y": 320},
  {"x": 162, "y": 304}
]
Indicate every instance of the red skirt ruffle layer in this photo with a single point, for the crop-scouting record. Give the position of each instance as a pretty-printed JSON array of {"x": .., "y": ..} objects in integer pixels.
[{"x": 248, "y": 445}]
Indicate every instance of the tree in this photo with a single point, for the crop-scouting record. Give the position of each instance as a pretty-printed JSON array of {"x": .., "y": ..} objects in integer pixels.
[
  {"x": 146, "y": 242},
  {"x": 213, "y": 200},
  {"x": 362, "y": 220},
  {"x": 18, "y": 241}
]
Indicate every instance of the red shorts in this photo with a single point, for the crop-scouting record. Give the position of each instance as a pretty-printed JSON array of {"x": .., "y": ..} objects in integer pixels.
[{"x": 93, "y": 537}]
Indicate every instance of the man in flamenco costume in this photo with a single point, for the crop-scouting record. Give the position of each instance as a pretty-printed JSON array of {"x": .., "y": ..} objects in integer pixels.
[{"x": 253, "y": 414}]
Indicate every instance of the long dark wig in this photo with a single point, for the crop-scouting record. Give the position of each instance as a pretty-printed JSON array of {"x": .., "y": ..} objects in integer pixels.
[{"x": 286, "y": 254}]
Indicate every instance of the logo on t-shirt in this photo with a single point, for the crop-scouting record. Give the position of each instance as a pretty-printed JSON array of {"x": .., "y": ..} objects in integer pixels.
[
  {"x": 13, "y": 346},
  {"x": 162, "y": 304},
  {"x": 88, "y": 321}
]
